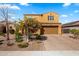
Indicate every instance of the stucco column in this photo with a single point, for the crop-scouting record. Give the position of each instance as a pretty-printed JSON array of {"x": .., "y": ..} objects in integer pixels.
[{"x": 60, "y": 29}]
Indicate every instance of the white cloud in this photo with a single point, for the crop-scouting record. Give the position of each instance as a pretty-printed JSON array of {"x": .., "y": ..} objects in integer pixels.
[
  {"x": 15, "y": 7},
  {"x": 76, "y": 11},
  {"x": 66, "y": 4},
  {"x": 26, "y": 4},
  {"x": 64, "y": 15},
  {"x": 13, "y": 17},
  {"x": 9, "y": 6}
]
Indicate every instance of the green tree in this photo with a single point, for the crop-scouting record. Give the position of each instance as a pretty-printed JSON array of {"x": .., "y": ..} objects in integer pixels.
[{"x": 31, "y": 26}]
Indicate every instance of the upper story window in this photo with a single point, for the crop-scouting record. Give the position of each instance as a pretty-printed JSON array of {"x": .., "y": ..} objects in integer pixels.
[{"x": 50, "y": 17}]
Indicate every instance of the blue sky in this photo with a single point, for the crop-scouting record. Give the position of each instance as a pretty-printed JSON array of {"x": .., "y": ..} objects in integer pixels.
[{"x": 67, "y": 12}]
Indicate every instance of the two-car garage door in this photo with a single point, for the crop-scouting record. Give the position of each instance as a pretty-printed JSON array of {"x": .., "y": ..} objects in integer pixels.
[{"x": 50, "y": 29}]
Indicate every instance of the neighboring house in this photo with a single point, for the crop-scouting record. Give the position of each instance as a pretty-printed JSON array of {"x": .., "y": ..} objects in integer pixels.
[
  {"x": 68, "y": 26},
  {"x": 3, "y": 26},
  {"x": 50, "y": 22}
]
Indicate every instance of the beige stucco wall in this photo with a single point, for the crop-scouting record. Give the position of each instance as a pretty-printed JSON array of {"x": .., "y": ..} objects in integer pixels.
[
  {"x": 44, "y": 17},
  {"x": 59, "y": 29}
]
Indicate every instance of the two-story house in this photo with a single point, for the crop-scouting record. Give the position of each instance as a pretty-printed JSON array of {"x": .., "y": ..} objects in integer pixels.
[{"x": 50, "y": 22}]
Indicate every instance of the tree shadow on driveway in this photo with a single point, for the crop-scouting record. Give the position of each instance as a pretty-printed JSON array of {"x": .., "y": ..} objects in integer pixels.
[{"x": 42, "y": 38}]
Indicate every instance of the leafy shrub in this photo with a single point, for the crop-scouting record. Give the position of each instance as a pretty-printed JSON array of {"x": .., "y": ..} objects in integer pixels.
[
  {"x": 23, "y": 45},
  {"x": 72, "y": 31},
  {"x": 19, "y": 37},
  {"x": 19, "y": 40},
  {"x": 1, "y": 33},
  {"x": 1, "y": 40},
  {"x": 12, "y": 31},
  {"x": 65, "y": 30},
  {"x": 75, "y": 32},
  {"x": 38, "y": 36},
  {"x": 10, "y": 44},
  {"x": 19, "y": 34},
  {"x": 1, "y": 43}
]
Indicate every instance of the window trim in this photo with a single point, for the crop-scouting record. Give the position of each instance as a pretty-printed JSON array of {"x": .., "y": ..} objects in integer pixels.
[{"x": 50, "y": 17}]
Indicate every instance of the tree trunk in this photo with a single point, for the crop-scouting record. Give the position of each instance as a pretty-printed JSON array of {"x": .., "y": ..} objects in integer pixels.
[{"x": 7, "y": 31}]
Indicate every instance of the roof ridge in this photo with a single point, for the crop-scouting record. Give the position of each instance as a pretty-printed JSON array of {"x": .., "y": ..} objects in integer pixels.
[{"x": 71, "y": 22}]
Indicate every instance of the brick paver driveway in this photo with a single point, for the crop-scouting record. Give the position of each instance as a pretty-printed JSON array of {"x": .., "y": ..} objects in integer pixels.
[{"x": 60, "y": 42}]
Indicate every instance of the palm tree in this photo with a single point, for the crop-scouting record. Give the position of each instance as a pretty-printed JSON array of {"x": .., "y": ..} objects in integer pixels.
[{"x": 21, "y": 24}]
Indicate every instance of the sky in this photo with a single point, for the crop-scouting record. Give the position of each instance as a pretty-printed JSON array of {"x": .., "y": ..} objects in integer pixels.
[{"x": 68, "y": 12}]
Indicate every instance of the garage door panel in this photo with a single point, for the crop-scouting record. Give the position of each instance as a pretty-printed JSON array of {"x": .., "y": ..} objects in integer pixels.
[{"x": 50, "y": 30}]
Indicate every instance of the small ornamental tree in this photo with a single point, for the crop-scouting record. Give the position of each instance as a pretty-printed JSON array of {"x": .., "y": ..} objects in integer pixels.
[
  {"x": 31, "y": 26},
  {"x": 17, "y": 34}
]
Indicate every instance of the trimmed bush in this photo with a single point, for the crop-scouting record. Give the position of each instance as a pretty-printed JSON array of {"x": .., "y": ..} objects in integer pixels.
[
  {"x": 1, "y": 33},
  {"x": 1, "y": 40},
  {"x": 1, "y": 43},
  {"x": 10, "y": 44},
  {"x": 38, "y": 36},
  {"x": 23, "y": 45}
]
